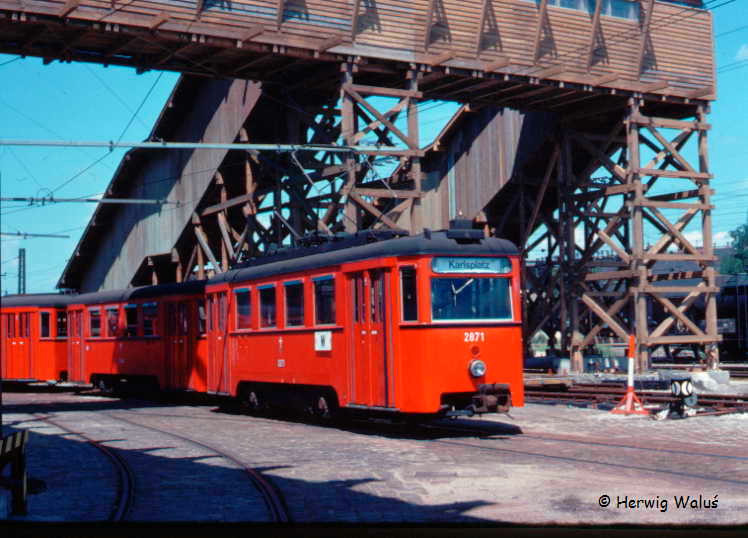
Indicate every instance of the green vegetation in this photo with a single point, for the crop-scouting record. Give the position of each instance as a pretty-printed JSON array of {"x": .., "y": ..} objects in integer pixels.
[{"x": 738, "y": 261}]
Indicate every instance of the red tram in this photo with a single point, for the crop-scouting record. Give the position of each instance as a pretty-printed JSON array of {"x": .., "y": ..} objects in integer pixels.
[{"x": 426, "y": 324}]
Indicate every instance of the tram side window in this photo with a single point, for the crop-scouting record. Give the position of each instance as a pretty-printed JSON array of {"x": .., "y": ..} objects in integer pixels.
[
  {"x": 201, "y": 316},
  {"x": 94, "y": 322},
  {"x": 23, "y": 324},
  {"x": 294, "y": 303},
  {"x": 44, "y": 324},
  {"x": 243, "y": 308},
  {"x": 150, "y": 315},
  {"x": 112, "y": 321},
  {"x": 11, "y": 319},
  {"x": 131, "y": 318},
  {"x": 62, "y": 324},
  {"x": 267, "y": 306},
  {"x": 324, "y": 300},
  {"x": 409, "y": 295}
]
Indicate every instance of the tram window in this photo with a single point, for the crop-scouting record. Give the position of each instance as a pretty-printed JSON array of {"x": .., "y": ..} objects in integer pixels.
[
  {"x": 62, "y": 324},
  {"x": 94, "y": 322},
  {"x": 243, "y": 308},
  {"x": 324, "y": 300},
  {"x": 23, "y": 325},
  {"x": 201, "y": 317},
  {"x": 184, "y": 317},
  {"x": 112, "y": 321},
  {"x": 150, "y": 315},
  {"x": 471, "y": 298},
  {"x": 11, "y": 325},
  {"x": 210, "y": 313},
  {"x": 409, "y": 295},
  {"x": 294, "y": 303},
  {"x": 267, "y": 306},
  {"x": 44, "y": 319},
  {"x": 131, "y": 319}
]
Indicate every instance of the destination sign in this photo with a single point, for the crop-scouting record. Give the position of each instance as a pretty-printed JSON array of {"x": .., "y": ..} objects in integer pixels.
[{"x": 471, "y": 265}]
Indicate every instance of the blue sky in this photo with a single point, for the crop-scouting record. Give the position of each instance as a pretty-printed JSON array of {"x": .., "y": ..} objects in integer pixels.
[{"x": 88, "y": 102}]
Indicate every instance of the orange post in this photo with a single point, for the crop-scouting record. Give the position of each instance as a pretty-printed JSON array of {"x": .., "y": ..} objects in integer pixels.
[{"x": 630, "y": 404}]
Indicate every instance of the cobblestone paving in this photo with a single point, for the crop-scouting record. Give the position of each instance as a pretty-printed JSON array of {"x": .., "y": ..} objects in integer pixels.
[{"x": 549, "y": 464}]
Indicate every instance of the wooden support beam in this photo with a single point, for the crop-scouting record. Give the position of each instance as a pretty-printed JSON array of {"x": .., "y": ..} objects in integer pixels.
[
  {"x": 654, "y": 86},
  {"x": 542, "y": 15},
  {"x": 387, "y": 92},
  {"x": 280, "y": 8},
  {"x": 549, "y": 71},
  {"x": 541, "y": 195},
  {"x": 669, "y": 123},
  {"x": 427, "y": 28},
  {"x": 674, "y": 174},
  {"x": 158, "y": 20},
  {"x": 252, "y": 32},
  {"x": 644, "y": 33},
  {"x": 224, "y": 227},
  {"x": 238, "y": 200},
  {"x": 593, "y": 33},
  {"x": 354, "y": 19},
  {"x": 330, "y": 42},
  {"x": 681, "y": 339},
  {"x": 203, "y": 240},
  {"x": 388, "y": 193},
  {"x": 364, "y": 103},
  {"x": 441, "y": 58},
  {"x": 700, "y": 92},
  {"x": 501, "y": 61},
  {"x": 602, "y": 80},
  {"x": 481, "y": 24},
  {"x": 68, "y": 8},
  {"x": 373, "y": 210},
  {"x": 605, "y": 316}
]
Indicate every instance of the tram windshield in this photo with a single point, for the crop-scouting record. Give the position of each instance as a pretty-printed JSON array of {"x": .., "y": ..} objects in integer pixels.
[{"x": 476, "y": 298}]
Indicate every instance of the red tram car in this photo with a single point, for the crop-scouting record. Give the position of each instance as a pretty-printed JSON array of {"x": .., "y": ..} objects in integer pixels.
[
  {"x": 33, "y": 337},
  {"x": 427, "y": 324}
]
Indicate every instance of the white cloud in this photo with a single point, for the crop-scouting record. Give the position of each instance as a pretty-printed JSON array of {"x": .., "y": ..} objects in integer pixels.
[{"x": 742, "y": 53}]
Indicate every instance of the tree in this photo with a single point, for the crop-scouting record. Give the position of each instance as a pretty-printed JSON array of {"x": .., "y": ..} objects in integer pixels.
[{"x": 738, "y": 261}]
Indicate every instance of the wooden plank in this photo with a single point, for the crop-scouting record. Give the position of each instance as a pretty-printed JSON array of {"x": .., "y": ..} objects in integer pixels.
[
  {"x": 654, "y": 86},
  {"x": 388, "y": 92},
  {"x": 673, "y": 173},
  {"x": 656, "y": 290},
  {"x": 354, "y": 19},
  {"x": 280, "y": 8},
  {"x": 550, "y": 71},
  {"x": 373, "y": 210},
  {"x": 427, "y": 28},
  {"x": 609, "y": 275},
  {"x": 388, "y": 193},
  {"x": 681, "y": 339},
  {"x": 608, "y": 241},
  {"x": 669, "y": 123},
  {"x": 440, "y": 58},
  {"x": 227, "y": 204},
  {"x": 673, "y": 205}
]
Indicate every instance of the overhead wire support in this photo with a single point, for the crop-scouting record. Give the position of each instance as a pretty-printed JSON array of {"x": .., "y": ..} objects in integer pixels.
[
  {"x": 378, "y": 149},
  {"x": 52, "y": 200},
  {"x": 25, "y": 235}
]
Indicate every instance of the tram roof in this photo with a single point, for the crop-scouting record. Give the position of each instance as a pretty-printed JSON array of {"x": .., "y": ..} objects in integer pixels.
[
  {"x": 53, "y": 300},
  {"x": 190, "y": 287},
  {"x": 364, "y": 246}
]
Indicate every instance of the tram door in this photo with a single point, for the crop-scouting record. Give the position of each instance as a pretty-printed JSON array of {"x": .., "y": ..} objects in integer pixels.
[
  {"x": 218, "y": 362},
  {"x": 75, "y": 349},
  {"x": 368, "y": 364},
  {"x": 178, "y": 360}
]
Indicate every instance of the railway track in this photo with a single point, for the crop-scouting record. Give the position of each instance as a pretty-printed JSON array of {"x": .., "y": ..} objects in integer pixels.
[
  {"x": 592, "y": 394},
  {"x": 125, "y": 477},
  {"x": 272, "y": 497}
]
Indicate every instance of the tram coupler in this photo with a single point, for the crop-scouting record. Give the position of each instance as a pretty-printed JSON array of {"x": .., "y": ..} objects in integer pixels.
[{"x": 492, "y": 398}]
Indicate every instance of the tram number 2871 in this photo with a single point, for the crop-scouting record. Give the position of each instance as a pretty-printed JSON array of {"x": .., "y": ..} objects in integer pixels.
[{"x": 475, "y": 336}]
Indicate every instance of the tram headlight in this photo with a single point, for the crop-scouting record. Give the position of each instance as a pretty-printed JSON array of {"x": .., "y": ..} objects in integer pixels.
[{"x": 477, "y": 368}]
